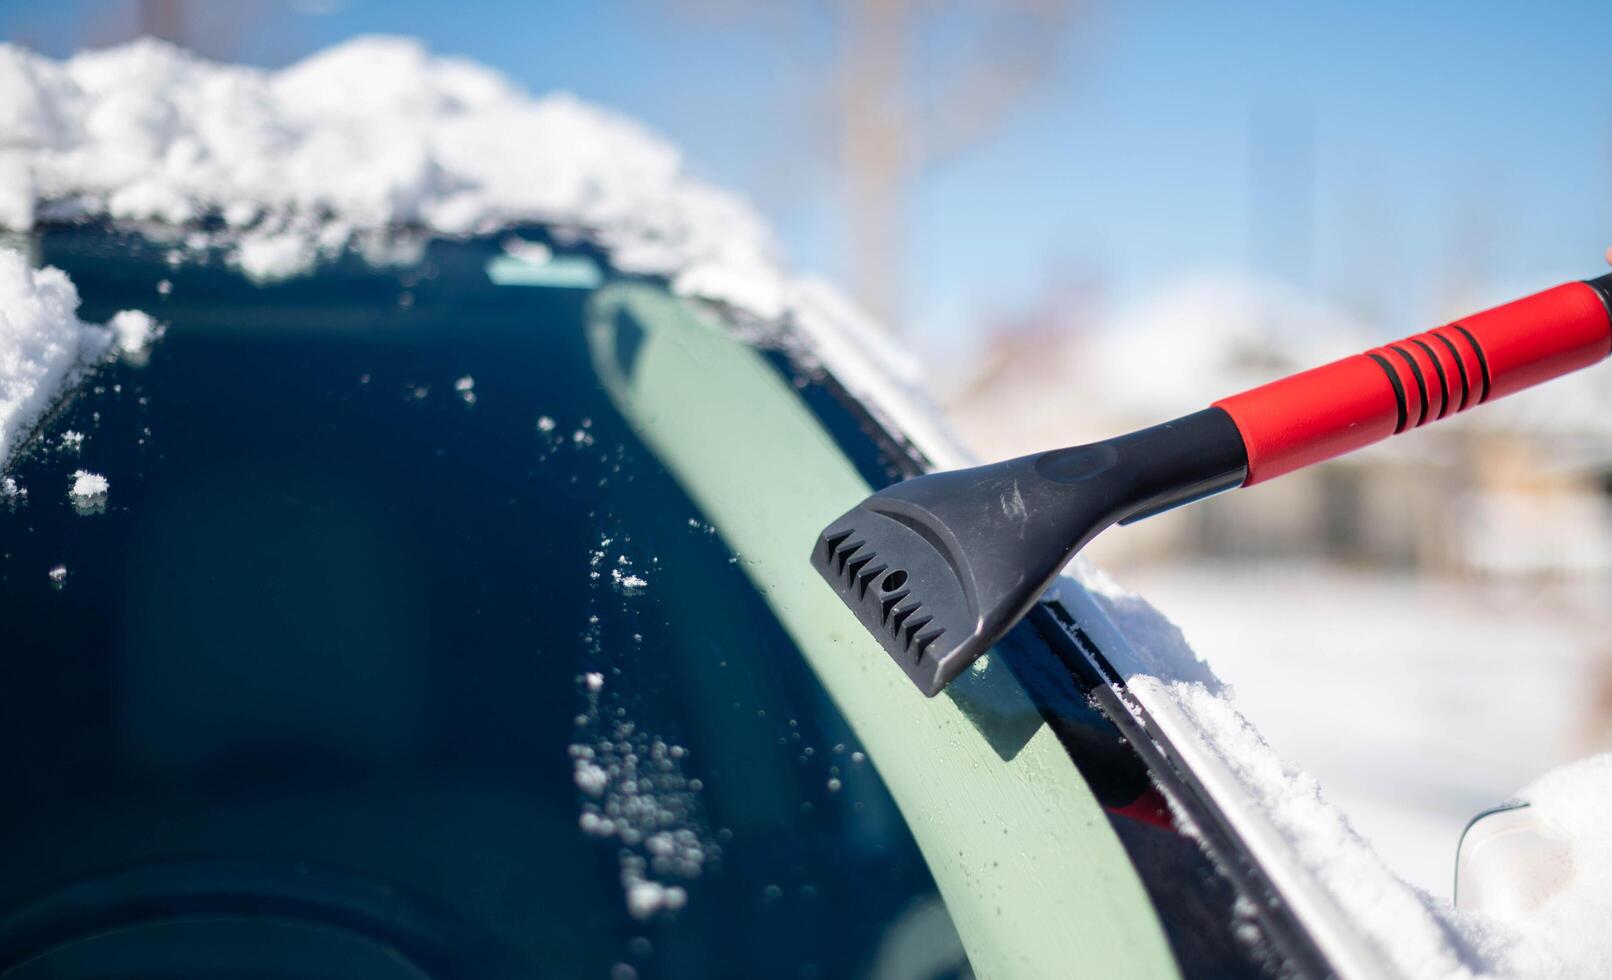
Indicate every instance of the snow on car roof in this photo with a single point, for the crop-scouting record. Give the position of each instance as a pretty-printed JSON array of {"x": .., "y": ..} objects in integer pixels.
[{"x": 373, "y": 134}]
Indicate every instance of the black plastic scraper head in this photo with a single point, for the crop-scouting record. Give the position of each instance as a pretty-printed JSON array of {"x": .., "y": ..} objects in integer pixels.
[{"x": 939, "y": 567}]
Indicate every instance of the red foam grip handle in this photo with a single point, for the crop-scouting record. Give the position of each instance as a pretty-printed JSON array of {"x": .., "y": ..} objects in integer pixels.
[{"x": 1342, "y": 406}]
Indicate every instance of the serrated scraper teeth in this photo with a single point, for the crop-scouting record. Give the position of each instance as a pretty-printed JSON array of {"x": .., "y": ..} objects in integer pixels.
[
  {"x": 832, "y": 542},
  {"x": 856, "y": 565},
  {"x": 900, "y": 616},
  {"x": 844, "y": 553},
  {"x": 889, "y": 602},
  {"x": 867, "y": 577},
  {"x": 915, "y": 624},
  {"x": 925, "y": 640}
]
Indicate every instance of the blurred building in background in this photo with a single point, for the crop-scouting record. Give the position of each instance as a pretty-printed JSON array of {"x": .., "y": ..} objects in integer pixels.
[{"x": 1521, "y": 489}]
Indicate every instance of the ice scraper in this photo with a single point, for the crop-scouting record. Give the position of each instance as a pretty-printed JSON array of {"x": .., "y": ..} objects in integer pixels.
[{"x": 939, "y": 567}]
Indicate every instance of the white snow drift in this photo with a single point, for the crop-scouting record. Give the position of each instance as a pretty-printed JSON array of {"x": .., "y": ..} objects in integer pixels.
[
  {"x": 44, "y": 346},
  {"x": 367, "y": 137}
]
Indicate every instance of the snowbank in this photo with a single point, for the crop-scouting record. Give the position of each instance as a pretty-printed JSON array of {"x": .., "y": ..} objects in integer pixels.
[
  {"x": 1399, "y": 929},
  {"x": 44, "y": 346},
  {"x": 366, "y": 137}
]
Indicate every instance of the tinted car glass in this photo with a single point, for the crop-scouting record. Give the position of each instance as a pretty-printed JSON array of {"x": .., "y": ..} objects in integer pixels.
[{"x": 390, "y": 636}]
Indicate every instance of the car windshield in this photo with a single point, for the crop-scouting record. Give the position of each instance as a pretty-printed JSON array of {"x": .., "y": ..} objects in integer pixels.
[
  {"x": 384, "y": 589},
  {"x": 452, "y": 615}
]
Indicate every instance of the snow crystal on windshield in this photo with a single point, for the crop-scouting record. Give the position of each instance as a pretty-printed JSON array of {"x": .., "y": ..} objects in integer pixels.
[
  {"x": 133, "y": 331},
  {"x": 87, "y": 485},
  {"x": 645, "y": 898},
  {"x": 635, "y": 789},
  {"x": 623, "y": 577},
  {"x": 88, "y": 492},
  {"x": 636, "y": 793},
  {"x": 44, "y": 346},
  {"x": 372, "y": 135}
]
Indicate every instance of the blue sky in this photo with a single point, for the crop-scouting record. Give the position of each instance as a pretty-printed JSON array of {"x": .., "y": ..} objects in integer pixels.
[{"x": 1384, "y": 154}]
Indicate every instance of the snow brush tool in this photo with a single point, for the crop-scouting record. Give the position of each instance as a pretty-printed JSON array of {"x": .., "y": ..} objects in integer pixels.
[{"x": 939, "y": 567}]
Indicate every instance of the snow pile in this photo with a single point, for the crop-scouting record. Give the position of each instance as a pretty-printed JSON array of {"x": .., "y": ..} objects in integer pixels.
[
  {"x": 1567, "y": 936},
  {"x": 372, "y": 135},
  {"x": 1401, "y": 925},
  {"x": 1405, "y": 930},
  {"x": 44, "y": 346},
  {"x": 1415, "y": 932},
  {"x": 1465, "y": 722}
]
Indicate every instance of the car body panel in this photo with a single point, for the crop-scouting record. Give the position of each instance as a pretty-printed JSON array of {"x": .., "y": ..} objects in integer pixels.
[{"x": 1032, "y": 874}]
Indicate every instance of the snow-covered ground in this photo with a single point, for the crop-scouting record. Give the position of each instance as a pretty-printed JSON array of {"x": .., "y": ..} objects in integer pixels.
[{"x": 1415, "y": 704}]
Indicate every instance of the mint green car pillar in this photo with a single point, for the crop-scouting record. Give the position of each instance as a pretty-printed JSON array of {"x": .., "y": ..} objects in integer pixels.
[{"x": 1032, "y": 874}]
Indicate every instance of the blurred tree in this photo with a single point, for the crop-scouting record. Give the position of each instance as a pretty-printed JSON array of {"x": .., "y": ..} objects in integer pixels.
[
  {"x": 912, "y": 84},
  {"x": 213, "y": 29},
  {"x": 898, "y": 119}
]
